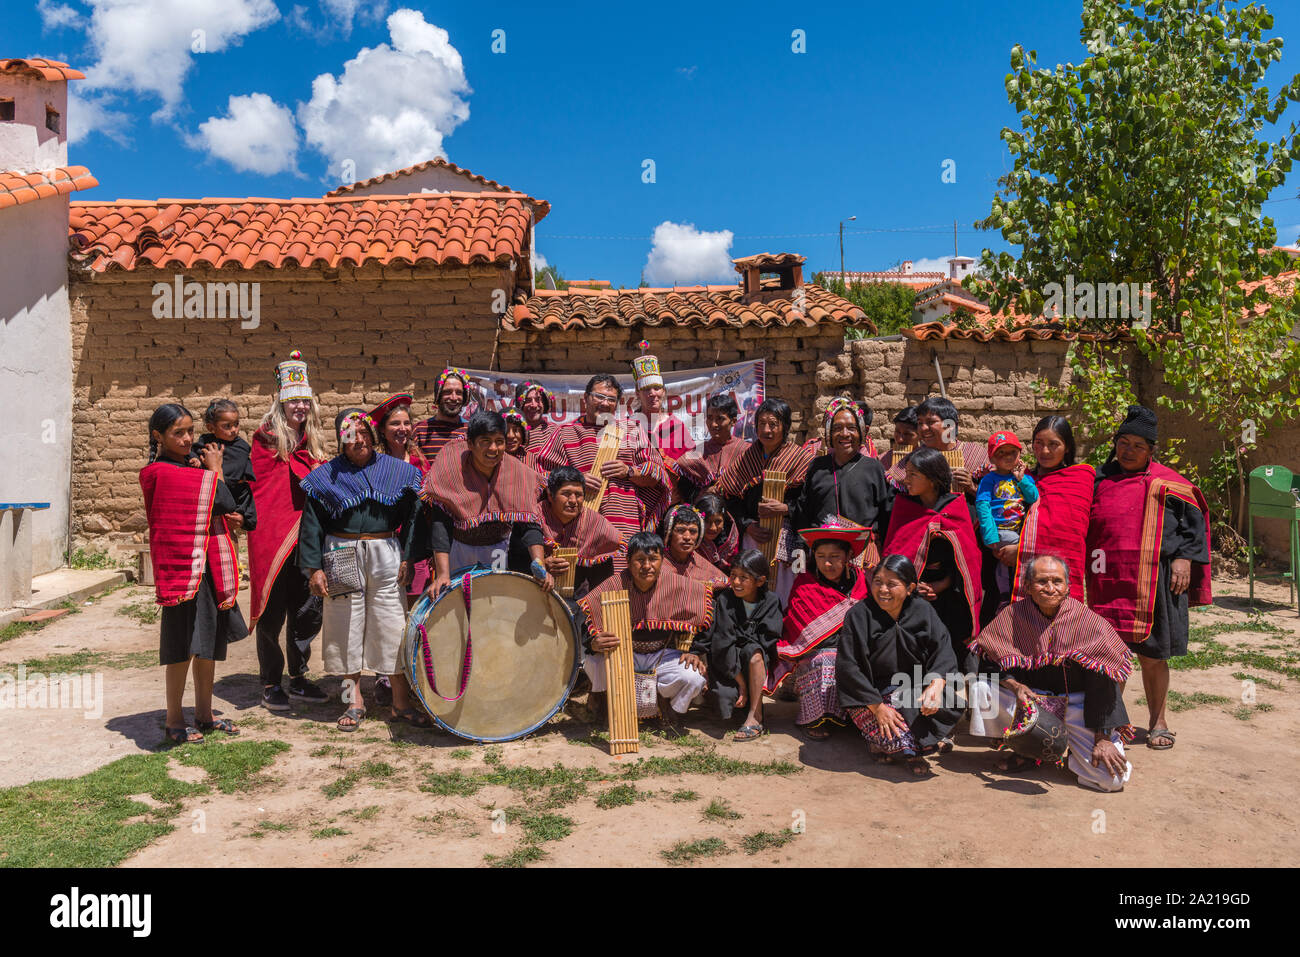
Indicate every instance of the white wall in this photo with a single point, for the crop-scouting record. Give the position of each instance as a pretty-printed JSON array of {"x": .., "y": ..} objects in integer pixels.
[
  {"x": 438, "y": 179},
  {"x": 25, "y": 144},
  {"x": 36, "y": 370}
]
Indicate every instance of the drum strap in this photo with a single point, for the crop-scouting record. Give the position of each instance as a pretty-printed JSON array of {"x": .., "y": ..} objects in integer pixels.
[{"x": 469, "y": 649}]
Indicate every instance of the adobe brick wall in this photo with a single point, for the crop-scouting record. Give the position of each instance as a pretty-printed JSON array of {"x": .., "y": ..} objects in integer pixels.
[{"x": 365, "y": 334}]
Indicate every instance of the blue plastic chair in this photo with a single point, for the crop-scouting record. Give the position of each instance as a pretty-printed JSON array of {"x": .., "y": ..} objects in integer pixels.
[{"x": 1275, "y": 493}]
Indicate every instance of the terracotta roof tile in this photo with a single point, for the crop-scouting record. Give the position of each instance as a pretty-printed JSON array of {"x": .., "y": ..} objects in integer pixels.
[
  {"x": 441, "y": 228},
  {"x": 707, "y": 306},
  {"x": 19, "y": 188},
  {"x": 41, "y": 67},
  {"x": 541, "y": 206},
  {"x": 769, "y": 261}
]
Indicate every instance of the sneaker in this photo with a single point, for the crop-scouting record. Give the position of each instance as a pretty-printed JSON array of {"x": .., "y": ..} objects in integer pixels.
[
  {"x": 274, "y": 698},
  {"x": 300, "y": 687}
]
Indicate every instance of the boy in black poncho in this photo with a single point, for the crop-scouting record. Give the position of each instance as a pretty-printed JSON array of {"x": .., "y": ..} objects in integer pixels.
[{"x": 222, "y": 420}]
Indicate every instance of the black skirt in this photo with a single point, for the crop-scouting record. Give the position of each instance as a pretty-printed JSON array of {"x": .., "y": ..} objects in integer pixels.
[{"x": 198, "y": 628}]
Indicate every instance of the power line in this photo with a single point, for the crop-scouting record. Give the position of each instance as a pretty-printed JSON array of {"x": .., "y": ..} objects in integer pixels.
[{"x": 920, "y": 230}]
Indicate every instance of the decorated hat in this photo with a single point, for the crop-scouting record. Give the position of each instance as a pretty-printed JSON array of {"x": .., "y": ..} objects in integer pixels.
[
  {"x": 386, "y": 408},
  {"x": 347, "y": 422},
  {"x": 291, "y": 378},
  {"x": 683, "y": 515},
  {"x": 515, "y": 417},
  {"x": 837, "y": 528},
  {"x": 527, "y": 386},
  {"x": 998, "y": 439},
  {"x": 645, "y": 367},
  {"x": 841, "y": 404},
  {"x": 1141, "y": 422},
  {"x": 451, "y": 372}
]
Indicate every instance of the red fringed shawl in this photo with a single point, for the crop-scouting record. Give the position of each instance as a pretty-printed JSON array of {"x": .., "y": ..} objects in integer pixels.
[
  {"x": 1022, "y": 637},
  {"x": 184, "y": 537},
  {"x": 1127, "y": 524},
  {"x": 675, "y": 603},
  {"x": 279, "y": 501},
  {"x": 471, "y": 498},
  {"x": 813, "y": 614},
  {"x": 592, "y": 534},
  {"x": 723, "y": 550},
  {"x": 697, "y": 567},
  {"x": 912, "y": 526},
  {"x": 1057, "y": 524},
  {"x": 748, "y": 468},
  {"x": 707, "y": 463}
]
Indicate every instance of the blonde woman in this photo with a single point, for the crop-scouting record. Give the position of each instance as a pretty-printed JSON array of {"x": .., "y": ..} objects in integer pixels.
[{"x": 286, "y": 447}]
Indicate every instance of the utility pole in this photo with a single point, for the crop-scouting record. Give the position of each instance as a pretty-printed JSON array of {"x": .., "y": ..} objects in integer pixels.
[{"x": 842, "y": 279}]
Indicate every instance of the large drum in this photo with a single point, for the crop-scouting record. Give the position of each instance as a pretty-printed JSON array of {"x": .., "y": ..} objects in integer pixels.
[{"x": 522, "y": 662}]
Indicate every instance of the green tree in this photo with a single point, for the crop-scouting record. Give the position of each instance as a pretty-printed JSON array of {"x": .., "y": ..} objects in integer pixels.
[
  {"x": 887, "y": 304},
  {"x": 1145, "y": 164},
  {"x": 541, "y": 275}
]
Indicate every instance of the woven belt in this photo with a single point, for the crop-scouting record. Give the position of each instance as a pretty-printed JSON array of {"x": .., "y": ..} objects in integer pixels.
[
  {"x": 364, "y": 536},
  {"x": 649, "y": 647}
]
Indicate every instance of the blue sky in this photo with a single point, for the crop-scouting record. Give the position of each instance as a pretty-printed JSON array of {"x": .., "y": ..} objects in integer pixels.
[{"x": 745, "y": 134}]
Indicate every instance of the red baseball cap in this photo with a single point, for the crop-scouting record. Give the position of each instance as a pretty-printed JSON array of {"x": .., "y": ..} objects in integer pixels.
[{"x": 999, "y": 439}]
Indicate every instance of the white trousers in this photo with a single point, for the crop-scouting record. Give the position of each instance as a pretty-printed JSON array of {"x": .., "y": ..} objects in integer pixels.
[
  {"x": 1081, "y": 737},
  {"x": 363, "y": 631},
  {"x": 676, "y": 682}
]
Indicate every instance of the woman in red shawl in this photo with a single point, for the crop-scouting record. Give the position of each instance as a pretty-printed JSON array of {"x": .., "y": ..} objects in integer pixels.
[
  {"x": 721, "y": 542},
  {"x": 819, "y": 600},
  {"x": 1149, "y": 558},
  {"x": 932, "y": 527},
  {"x": 1057, "y": 524},
  {"x": 288, "y": 445},
  {"x": 196, "y": 574},
  {"x": 741, "y": 486}
]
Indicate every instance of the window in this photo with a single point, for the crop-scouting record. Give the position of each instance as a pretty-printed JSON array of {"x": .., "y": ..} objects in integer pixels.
[
  {"x": 6, "y": 111},
  {"x": 52, "y": 119}
]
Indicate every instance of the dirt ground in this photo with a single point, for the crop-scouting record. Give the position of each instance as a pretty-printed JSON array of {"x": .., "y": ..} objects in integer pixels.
[{"x": 1224, "y": 796}]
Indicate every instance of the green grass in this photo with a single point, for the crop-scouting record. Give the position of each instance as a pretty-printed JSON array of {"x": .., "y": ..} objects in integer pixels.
[
  {"x": 89, "y": 560},
  {"x": 680, "y": 796},
  {"x": 705, "y": 762},
  {"x": 85, "y": 660},
  {"x": 766, "y": 841},
  {"x": 684, "y": 852},
  {"x": 368, "y": 813},
  {"x": 377, "y": 769},
  {"x": 720, "y": 810},
  {"x": 16, "y": 629},
  {"x": 1177, "y": 701},
  {"x": 538, "y": 829},
  {"x": 452, "y": 783},
  {"x": 620, "y": 795},
  {"x": 92, "y": 820},
  {"x": 1266, "y": 682},
  {"x": 461, "y": 754},
  {"x": 1210, "y": 653},
  {"x": 523, "y": 855},
  {"x": 264, "y": 828},
  {"x": 326, "y": 832},
  {"x": 146, "y": 613}
]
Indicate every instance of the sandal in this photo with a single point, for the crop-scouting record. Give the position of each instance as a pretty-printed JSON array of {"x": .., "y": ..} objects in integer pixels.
[
  {"x": 412, "y": 716},
  {"x": 817, "y": 734},
  {"x": 356, "y": 714},
  {"x": 188, "y": 735},
  {"x": 919, "y": 766},
  {"x": 944, "y": 746},
  {"x": 1164, "y": 734},
  {"x": 1011, "y": 761},
  {"x": 218, "y": 724},
  {"x": 749, "y": 732}
]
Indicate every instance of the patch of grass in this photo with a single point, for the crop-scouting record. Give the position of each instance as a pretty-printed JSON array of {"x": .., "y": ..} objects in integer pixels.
[
  {"x": 84, "y": 660},
  {"x": 1186, "y": 702},
  {"x": 93, "y": 821},
  {"x": 88, "y": 560},
  {"x": 1266, "y": 682},
  {"x": 447, "y": 820},
  {"x": 720, "y": 810},
  {"x": 681, "y": 796},
  {"x": 705, "y": 762},
  {"x": 1263, "y": 707},
  {"x": 325, "y": 750},
  {"x": 461, "y": 754},
  {"x": 328, "y": 832},
  {"x": 16, "y": 629},
  {"x": 526, "y": 779},
  {"x": 540, "y": 827},
  {"x": 493, "y": 755},
  {"x": 377, "y": 769},
  {"x": 765, "y": 841},
  {"x": 684, "y": 852},
  {"x": 368, "y": 813},
  {"x": 1247, "y": 711},
  {"x": 264, "y": 828},
  {"x": 1212, "y": 653},
  {"x": 341, "y": 786},
  {"x": 561, "y": 795},
  {"x": 449, "y": 783},
  {"x": 618, "y": 796},
  {"x": 146, "y": 613},
  {"x": 519, "y": 857}
]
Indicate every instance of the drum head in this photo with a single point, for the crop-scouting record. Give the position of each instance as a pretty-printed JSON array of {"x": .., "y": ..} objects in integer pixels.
[{"x": 525, "y": 656}]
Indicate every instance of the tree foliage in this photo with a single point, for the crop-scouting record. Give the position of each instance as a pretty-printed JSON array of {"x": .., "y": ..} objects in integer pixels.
[{"x": 887, "y": 304}]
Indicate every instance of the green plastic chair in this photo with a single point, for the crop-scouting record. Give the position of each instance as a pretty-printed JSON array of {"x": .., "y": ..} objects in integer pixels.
[{"x": 1275, "y": 493}]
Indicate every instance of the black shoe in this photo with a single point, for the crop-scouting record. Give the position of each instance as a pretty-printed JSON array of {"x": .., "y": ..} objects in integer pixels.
[
  {"x": 274, "y": 698},
  {"x": 300, "y": 687},
  {"x": 383, "y": 691}
]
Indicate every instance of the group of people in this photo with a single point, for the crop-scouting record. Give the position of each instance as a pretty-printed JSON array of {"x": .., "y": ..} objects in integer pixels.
[{"x": 995, "y": 584}]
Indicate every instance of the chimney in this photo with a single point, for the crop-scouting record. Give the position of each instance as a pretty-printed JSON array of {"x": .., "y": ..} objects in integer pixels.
[
  {"x": 784, "y": 272},
  {"x": 906, "y": 268},
  {"x": 34, "y": 114}
]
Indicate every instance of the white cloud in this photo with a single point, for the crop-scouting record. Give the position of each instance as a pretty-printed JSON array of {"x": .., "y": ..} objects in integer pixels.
[
  {"x": 539, "y": 261},
  {"x": 343, "y": 12},
  {"x": 56, "y": 16},
  {"x": 938, "y": 264},
  {"x": 257, "y": 135},
  {"x": 88, "y": 115},
  {"x": 148, "y": 46},
  {"x": 683, "y": 255},
  {"x": 392, "y": 106}
]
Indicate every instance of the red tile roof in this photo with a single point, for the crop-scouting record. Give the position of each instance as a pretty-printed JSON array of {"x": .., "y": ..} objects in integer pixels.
[
  {"x": 708, "y": 306},
  {"x": 543, "y": 207},
  {"x": 769, "y": 261},
  {"x": 41, "y": 67},
  {"x": 441, "y": 228},
  {"x": 19, "y": 188}
]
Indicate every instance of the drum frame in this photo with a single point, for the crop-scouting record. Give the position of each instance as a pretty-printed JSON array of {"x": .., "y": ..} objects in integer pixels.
[{"x": 411, "y": 658}]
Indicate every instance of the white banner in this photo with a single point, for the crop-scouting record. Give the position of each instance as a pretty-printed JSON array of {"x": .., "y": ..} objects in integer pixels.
[{"x": 688, "y": 392}]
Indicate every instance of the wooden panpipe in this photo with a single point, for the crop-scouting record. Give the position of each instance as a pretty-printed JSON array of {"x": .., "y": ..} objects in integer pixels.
[
  {"x": 955, "y": 458},
  {"x": 896, "y": 455},
  {"x": 620, "y": 684},
  {"x": 611, "y": 439},
  {"x": 564, "y": 580},
  {"x": 773, "y": 488}
]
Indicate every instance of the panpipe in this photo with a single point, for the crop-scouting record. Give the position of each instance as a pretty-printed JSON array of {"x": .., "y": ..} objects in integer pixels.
[
  {"x": 564, "y": 581},
  {"x": 616, "y": 618},
  {"x": 611, "y": 439},
  {"x": 773, "y": 488},
  {"x": 955, "y": 458},
  {"x": 896, "y": 455}
]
